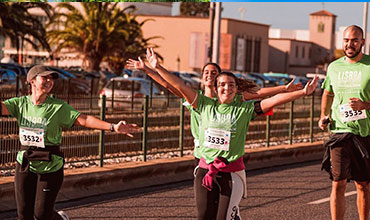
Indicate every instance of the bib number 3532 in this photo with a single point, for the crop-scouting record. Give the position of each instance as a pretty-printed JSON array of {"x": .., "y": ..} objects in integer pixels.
[
  {"x": 32, "y": 137},
  {"x": 217, "y": 139},
  {"x": 348, "y": 114}
]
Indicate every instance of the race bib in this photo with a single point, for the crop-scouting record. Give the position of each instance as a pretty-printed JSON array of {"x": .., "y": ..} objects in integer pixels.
[
  {"x": 32, "y": 137},
  {"x": 217, "y": 139},
  {"x": 348, "y": 114}
]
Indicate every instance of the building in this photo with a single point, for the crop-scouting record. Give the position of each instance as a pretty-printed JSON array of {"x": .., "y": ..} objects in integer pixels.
[
  {"x": 28, "y": 55},
  {"x": 184, "y": 43},
  {"x": 299, "y": 52}
]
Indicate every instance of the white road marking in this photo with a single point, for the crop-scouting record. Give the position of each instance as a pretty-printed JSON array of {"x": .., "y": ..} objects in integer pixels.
[{"x": 328, "y": 199}]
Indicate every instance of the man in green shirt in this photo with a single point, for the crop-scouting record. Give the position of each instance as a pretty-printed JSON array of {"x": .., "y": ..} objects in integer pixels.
[{"x": 345, "y": 104}]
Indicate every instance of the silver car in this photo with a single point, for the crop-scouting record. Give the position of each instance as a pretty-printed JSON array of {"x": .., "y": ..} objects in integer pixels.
[{"x": 130, "y": 93}]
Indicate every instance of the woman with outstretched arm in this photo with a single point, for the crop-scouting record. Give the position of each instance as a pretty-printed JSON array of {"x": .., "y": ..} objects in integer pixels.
[{"x": 222, "y": 135}]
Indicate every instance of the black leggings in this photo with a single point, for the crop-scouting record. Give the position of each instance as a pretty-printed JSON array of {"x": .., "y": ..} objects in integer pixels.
[
  {"x": 213, "y": 204},
  {"x": 36, "y": 194}
]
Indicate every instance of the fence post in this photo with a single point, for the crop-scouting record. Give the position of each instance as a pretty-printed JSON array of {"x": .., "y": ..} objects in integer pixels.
[
  {"x": 132, "y": 94},
  {"x": 151, "y": 94},
  {"x": 181, "y": 133},
  {"x": 291, "y": 122},
  {"x": 68, "y": 86},
  {"x": 145, "y": 127},
  {"x": 113, "y": 82},
  {"x": 312, "y": 115},
  {"x": 91, "y": 93},
  {"x": 101, "y": 134},
  {"x": 17, "y": 86},
  {"x": 268, "y": 129}
]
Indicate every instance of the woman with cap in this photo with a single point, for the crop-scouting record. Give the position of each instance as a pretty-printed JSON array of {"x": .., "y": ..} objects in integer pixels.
[
  {"x": 39, "y": 168},
  {"x": 222, "y": 134}
]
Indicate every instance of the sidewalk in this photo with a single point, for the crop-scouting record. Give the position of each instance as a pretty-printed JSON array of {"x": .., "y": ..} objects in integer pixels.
[{"x": 79, "y": 183}]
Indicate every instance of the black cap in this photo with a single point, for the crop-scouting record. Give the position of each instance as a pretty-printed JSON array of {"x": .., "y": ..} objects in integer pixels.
[{"x": 40, "y": 70}]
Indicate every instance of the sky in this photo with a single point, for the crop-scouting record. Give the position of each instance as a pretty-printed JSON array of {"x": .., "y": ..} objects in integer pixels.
[{"x": 291, "y": 15}]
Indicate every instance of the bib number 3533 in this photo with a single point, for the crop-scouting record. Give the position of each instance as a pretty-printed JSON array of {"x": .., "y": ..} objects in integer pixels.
[
  {"x": 217, "y": 139},
  {"x": 347, "y": 114},
  {"x": 32, "y": 137}
]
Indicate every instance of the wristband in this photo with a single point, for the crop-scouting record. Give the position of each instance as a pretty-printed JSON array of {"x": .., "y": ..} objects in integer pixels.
[{"x": 112, "y": 127}]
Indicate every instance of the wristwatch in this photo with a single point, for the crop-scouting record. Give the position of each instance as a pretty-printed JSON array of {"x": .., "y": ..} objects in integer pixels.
[{"x": 112, "y": 127}]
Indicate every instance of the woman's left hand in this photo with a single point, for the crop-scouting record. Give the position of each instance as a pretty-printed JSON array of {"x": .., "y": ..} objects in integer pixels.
[
  {"x": 123, "y": 128},
  {"x": 311, "y": 85}
]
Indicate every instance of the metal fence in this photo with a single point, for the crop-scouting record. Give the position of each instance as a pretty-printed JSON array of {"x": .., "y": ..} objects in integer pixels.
[{"x": 165, "y": 130}]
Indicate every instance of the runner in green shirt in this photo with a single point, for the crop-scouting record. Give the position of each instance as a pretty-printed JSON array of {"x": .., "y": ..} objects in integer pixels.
[
  {"x": 39, "y": 168},
  {"x": 346, "y": 104},
  {"x": 222, "y": 136}
]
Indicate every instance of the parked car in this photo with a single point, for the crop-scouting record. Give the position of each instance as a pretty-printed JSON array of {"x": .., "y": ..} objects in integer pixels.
[
  {"x": 68, "y": 83},
  {"x": 7, "y": 77},
  {"x": 282, "y": 78},
  {"x": 18, "y": 69},
  {"x": 266, "y": 80},
  {"x": 131, "y": 88}
]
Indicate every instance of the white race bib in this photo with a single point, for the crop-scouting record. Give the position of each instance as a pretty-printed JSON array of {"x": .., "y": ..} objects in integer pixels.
[
  {"x": 348, "y": 114},
  {"x": 217, "y": 139},
  {"x": 32, "y": 137}
]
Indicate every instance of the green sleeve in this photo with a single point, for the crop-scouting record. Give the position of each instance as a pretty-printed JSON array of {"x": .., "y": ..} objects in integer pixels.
[
  {"x": 13, "y": 106},
  {"x": 327, "y": 83},
  {"x": 68, "y": 115}
]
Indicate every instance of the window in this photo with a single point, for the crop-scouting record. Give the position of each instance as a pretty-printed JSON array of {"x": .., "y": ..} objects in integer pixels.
[
  {"x": 320, "y": 27},
  {"x": 248, "y": 56},
  {"x": 257, "y": 55},
  {"x": 296, "y": 51},
  {"x": 303, "y": 52}
]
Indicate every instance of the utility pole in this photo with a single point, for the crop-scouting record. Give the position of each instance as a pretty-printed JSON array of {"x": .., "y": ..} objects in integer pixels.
[
  {"x": 365, "y": 24},
  {"x": 216, "y": 35},
  {"x": 211, "y": 22}
]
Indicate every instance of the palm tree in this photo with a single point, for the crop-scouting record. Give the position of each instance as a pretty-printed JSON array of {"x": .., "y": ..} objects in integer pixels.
[
  {"x": 99, "y": 31},
  {"x": 19, "y": 25}
]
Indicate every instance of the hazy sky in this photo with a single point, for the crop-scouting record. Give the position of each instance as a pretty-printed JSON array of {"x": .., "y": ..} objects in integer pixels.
[{"x": 292, "y": 15}]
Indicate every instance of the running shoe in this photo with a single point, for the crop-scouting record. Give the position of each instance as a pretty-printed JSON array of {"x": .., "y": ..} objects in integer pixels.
[{"x": 63, "y": 215}]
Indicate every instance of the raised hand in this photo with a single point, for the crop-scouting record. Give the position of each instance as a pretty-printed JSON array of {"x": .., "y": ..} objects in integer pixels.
[
  {"x": 152, "y": 58},
  {"x": 123, "y": 128},
  {"x": 311, "y": 85},
  {"x": 136, "y": 64},
  {"x": 291, "y": 87}
]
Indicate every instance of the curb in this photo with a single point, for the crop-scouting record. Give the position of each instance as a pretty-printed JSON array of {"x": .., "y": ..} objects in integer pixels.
[{"x": 86, "y": 182}]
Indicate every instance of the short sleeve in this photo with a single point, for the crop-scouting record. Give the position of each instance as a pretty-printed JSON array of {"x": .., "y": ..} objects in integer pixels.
[
  {"x": 203, "y": 101},
  {"x": 13, "y": 106},
  {"x": 68, "y": 115},
  {"x": 327, "y": 83}
]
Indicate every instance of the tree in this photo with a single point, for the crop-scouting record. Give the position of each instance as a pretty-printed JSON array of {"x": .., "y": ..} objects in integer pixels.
[
  {"x": 19, "y": 25},
  {"x": 101, "y": 31},
  {"x": 199, "y": 9}
]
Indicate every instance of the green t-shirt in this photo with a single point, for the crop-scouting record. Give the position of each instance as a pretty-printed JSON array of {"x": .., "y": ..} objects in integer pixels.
[
  {"x": 224, "y": 128},
  {"x": 51, "y": 116},
  {"x": 348, "y": 80}
]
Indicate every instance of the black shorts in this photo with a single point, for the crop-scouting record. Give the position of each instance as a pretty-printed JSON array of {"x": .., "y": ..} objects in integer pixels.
[{"x": 348, "y": 163}]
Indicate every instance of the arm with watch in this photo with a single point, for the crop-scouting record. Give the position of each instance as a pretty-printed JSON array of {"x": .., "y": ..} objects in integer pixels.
[{"x": 95, "y": 123}]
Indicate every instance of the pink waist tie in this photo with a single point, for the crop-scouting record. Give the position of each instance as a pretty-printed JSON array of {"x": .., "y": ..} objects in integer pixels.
[{"x": 218, "y": 165}]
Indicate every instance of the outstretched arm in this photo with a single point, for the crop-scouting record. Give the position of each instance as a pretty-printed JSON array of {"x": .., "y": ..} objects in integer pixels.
[
  {"x": 189, "y": 94},
  {"x": 283, "y": 98},
  {"x": 3, "y": 109},
  {"x": 270, "y": 91},
  {"x": 139, "y": 64},
  {"x": 95, "y": 123}
]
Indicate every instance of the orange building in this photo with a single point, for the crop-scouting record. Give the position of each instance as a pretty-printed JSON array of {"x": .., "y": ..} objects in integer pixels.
[{"x": 184, "y": 42}]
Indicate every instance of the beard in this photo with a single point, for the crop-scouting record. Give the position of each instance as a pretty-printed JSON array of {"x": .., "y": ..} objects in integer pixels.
[{"x": 353, "y": 55}]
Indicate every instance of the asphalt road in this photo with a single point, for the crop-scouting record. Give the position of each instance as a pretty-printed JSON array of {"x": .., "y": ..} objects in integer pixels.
[{"x": 295, "y": 192}]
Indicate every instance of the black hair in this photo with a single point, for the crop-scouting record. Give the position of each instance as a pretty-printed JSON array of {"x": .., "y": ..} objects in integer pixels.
[
  {"x": 243, "y": 85},
  {"x": 213, "y": 64}
]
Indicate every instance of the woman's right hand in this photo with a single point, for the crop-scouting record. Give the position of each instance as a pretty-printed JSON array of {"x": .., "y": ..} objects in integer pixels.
[
  {"x": 136, "y": 64},
  {"x": 152, "y": 58}
]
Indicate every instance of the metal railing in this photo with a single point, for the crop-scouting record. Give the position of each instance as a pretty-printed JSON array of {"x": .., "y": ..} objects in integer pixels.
[{"x": 165, "y": 129}]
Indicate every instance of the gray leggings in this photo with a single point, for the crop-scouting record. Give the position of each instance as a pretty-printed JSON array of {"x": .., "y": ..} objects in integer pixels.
[
  {"x": 215, "y": 204},
  {"x": 36, "y": 194}
]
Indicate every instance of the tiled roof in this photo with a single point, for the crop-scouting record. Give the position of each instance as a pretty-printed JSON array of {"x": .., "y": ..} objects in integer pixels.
[{"x": 323, "y": 13}]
